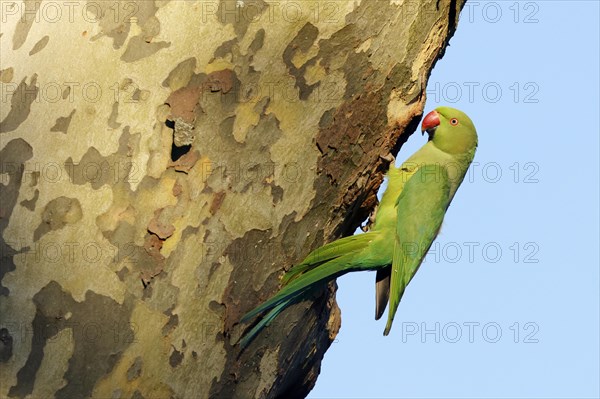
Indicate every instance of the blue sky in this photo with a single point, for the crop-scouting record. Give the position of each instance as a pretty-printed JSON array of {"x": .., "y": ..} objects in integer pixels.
[{"x": 508, "y": 304}]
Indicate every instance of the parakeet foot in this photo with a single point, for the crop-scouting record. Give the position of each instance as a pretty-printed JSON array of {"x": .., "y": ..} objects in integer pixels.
[{"x": 371, "y": 219}]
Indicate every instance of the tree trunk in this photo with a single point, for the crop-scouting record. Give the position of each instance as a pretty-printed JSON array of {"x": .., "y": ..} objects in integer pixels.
[{"x": 164, "y": 162}]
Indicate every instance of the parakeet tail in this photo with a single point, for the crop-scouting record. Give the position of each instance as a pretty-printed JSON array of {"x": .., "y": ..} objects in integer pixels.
[
  {"x": 250, "y": 335},
  {"x": 328, "y": 252},
  {"x": 297, "y": 287}
]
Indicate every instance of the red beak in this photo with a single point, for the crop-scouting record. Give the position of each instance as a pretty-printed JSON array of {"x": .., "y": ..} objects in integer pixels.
[{"x": 430, "y": 122}]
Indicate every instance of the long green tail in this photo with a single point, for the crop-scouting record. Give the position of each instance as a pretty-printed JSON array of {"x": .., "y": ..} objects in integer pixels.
[
  {"x": 325, "y": 271},
  {"x": 328, "y": 252},
  {"x": 249, "y": 336},
  {"x": 325, "y": 264}
]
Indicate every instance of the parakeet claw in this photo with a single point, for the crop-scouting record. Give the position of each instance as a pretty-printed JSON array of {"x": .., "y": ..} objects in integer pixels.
[{"x": 371, "y": 219}]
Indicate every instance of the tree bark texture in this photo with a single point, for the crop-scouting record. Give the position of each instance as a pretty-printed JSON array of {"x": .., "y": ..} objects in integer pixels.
[{"x": 164, "y": 162}]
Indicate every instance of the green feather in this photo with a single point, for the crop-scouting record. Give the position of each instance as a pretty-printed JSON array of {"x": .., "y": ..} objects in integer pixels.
[
  {"x": 264, "y": 322},
  {"x": 328, "y": 252},
  {"x": 421, "y": 207},
  {"x": 325, "y": 272}
]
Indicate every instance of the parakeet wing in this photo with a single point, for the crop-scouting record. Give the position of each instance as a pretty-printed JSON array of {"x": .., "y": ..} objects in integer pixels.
[{"x": 420, "y": 207}]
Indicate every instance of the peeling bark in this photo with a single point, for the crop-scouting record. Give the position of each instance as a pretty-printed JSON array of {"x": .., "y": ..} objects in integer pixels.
[{"x": 164, "y": 162}]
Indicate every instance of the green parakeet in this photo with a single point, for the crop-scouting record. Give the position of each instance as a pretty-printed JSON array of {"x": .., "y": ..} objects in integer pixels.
[{"x": 407, "y": 221}]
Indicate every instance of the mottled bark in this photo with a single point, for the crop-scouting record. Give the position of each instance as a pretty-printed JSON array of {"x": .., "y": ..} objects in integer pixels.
[{"x": 164, "y": 162}]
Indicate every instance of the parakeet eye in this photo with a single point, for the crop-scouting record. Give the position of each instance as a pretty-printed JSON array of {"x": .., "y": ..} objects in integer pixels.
[{"x": 454, "y": 121}]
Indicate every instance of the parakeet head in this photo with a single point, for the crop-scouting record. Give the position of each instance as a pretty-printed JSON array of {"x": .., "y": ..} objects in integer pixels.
[{"x": 451, "y": 130}]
